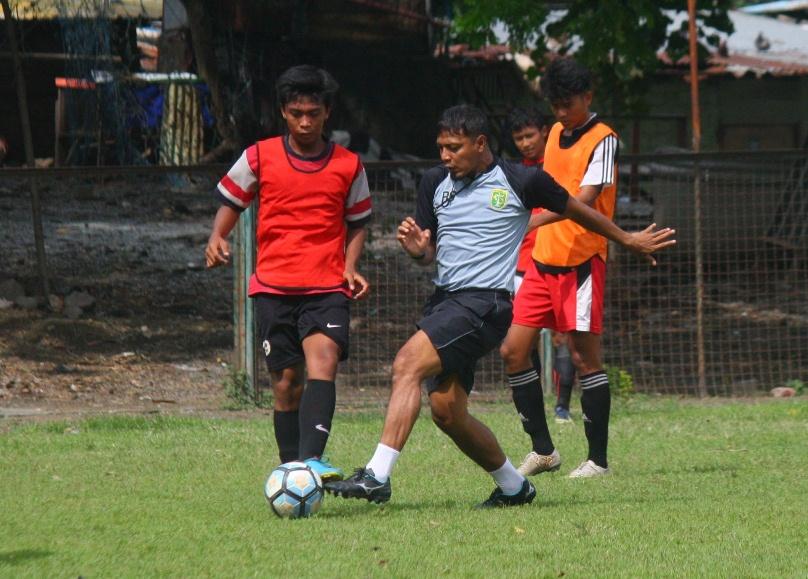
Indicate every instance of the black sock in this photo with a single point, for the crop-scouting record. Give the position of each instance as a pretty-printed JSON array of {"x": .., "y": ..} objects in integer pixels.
[
  {"x": 596, "y": 403},
  {"x": 316, "y": 412},
  {"x": 535, "y": 359},
  {"x": 527, "y": 397},
  {"x": 565, "y": 372},
  {"x": 287, "y": 434}
]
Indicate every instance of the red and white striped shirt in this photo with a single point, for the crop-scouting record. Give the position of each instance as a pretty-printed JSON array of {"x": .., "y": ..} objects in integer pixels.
[
  {"x": 300, "y": 234},
  {"x": 240, "y": 185}
]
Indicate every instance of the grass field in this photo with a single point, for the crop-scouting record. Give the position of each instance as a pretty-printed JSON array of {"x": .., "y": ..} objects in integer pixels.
[{"x": 715, "y": 489}]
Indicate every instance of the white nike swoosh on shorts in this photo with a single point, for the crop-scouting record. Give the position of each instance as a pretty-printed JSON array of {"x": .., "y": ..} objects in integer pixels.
[{"x": 333, "y": 325}]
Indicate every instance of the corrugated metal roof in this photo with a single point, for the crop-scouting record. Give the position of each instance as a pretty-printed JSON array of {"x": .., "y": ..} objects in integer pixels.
[
  {"x": 740, "y": 65},
  {"x": 52, "y": 9},
  {"x": 760, "y": 45},
  {"x": 784, "y": 42},
  {"x": 778, "y": 7}
]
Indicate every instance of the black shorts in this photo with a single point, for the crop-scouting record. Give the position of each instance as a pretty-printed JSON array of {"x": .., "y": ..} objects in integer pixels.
[
  {"x": 283, "y": 322},
  {"x": 464, "y": 326}
]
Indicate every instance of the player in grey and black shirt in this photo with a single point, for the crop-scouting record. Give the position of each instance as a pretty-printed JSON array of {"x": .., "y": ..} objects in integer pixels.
[{"x": 471, "y": 217}]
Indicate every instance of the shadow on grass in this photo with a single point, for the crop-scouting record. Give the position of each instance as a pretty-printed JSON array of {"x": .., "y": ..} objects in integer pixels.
[
  {"x": 730, "y": 469},
  {"x": 362, "y": 508},
  {"x": 22, "y": 556}
]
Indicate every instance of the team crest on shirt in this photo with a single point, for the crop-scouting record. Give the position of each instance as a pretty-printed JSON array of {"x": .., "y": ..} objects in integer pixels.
[{"x": 499, "y": 198}]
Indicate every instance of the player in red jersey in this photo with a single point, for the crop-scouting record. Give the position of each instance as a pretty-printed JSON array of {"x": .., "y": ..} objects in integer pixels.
[
  {"x": 529, "y": 133},
  {"x": 313, "y": 204},
  {"x": 529, "y": 130}
]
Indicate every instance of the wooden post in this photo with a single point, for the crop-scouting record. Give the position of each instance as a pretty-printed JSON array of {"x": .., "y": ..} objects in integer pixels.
[
  {"x": 695, "y": 112},
  {"x": 22, "y": 105}
]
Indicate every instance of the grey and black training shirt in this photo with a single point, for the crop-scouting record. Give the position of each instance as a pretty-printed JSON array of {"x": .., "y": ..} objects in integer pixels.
[{"x": 479, "y": 223}]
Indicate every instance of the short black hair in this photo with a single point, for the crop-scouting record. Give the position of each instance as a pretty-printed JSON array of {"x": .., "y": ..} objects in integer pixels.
[
  {"x": 520, "y": 118},
  {"x": 565, "y": 78},
  {"x": 309, "y": 81},
  {"x": 464, "y": 120}
]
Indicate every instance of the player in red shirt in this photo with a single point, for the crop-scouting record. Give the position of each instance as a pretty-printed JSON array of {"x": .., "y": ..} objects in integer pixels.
[
  {"x": 529, "y": 133},
  {"x": 529, "y": 130},
  {"x": 313, "y": 204}
]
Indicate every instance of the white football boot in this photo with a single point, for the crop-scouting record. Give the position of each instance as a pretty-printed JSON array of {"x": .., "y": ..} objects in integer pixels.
[
  {"x": 588, "y": 469},
  {"x": 536, "y": 463}
]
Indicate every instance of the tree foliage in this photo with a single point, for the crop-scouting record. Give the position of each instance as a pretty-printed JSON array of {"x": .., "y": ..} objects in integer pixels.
[{"x": 619, "y": 40}]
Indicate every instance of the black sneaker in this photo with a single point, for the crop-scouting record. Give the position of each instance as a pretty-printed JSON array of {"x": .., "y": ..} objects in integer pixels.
[
  {"x": 498, "y": 499},
  {"x": 362, "y": 485}
]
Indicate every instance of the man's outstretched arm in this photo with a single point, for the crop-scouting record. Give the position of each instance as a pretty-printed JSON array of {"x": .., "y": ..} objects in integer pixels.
[{"x": 645, "y": 242}]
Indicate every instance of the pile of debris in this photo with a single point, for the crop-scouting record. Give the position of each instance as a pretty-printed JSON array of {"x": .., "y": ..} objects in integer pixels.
[{"x": 72, "y": 306}]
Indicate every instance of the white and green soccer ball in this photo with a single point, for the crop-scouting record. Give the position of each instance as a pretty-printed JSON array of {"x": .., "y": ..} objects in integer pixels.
[{"x": 293, "y": 491}]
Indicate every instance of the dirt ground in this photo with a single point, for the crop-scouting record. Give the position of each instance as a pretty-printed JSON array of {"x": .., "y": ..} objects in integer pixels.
[
  {"x": 158, "y": 337},
  {"x": 159, "y": 334}
]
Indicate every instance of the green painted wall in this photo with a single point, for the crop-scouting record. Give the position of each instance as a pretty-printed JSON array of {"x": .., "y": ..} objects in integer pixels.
[{"x": 728, "y": 104}]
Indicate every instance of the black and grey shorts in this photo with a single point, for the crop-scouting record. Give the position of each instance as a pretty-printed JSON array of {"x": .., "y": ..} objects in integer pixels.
[
  {"x": 284, "y": 321},
  {"x": 464, "y": 326}
]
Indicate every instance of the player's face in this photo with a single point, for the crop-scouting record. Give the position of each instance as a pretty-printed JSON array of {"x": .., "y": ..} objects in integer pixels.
[
  {"x": 305, "y": 118},
  {"x": 530, "y": 141},
  {"x": 461, "y": 154},
  {"x": 574, "y": 111}
]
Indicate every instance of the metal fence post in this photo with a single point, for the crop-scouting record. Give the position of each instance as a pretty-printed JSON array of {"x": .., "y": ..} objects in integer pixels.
[
  {"x": 243, "y": 318},
  {"x": 547, "y": 360},
  {"x": 696, "y": 121}
]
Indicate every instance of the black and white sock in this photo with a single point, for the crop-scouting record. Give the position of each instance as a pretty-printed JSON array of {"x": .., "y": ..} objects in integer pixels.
[
  {"x": 287, "y": 434},
  {"x": 527, "y": 397},
  {"x": 596, "y": 403},
  {"x": 316, "y": 413}
]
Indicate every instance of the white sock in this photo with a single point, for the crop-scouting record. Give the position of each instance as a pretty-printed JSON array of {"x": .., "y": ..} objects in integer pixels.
[
  {"x": 383, "y": 461},
  {"x": 508, "y": 478}
]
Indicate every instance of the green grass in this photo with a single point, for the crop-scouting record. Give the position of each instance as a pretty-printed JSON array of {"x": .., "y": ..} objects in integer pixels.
[{"x": 716, "y": 489}]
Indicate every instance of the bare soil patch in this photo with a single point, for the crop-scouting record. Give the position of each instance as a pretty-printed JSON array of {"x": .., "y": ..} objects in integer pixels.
[{"x": 160, "y": 331}]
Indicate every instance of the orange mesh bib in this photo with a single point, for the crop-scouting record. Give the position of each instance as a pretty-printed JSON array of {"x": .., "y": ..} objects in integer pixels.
[{"x": 565, "y": 243}]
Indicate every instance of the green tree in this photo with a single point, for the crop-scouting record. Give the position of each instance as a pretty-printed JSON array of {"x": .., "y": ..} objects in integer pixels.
[{"x": 619, "y": 40}]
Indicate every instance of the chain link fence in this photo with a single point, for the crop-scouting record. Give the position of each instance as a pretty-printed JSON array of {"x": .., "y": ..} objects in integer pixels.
[
  {"x": 754, "y": 255},
  {"x": 134, "y": 237}
]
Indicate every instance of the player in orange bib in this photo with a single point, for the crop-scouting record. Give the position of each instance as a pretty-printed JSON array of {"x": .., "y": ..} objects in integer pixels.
[{"x": 563, "y": 290}]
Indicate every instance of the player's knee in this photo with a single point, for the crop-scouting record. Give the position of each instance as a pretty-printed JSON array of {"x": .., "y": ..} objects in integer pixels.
[
  {"x": 584, "y": 366},
  {"x": 443, "y": 418},
  {"x": 322, "y": 366},
  {"x": 287, "y": 394},
  {"x": 404, "y": 367},
  {"x": 324, "y": 359},
  {"x": 446, "y": 416},
  {"x": 511, "y": 356}
]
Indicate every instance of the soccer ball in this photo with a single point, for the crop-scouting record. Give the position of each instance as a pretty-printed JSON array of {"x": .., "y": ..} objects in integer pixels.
[{"x": 293, "y": 490}]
